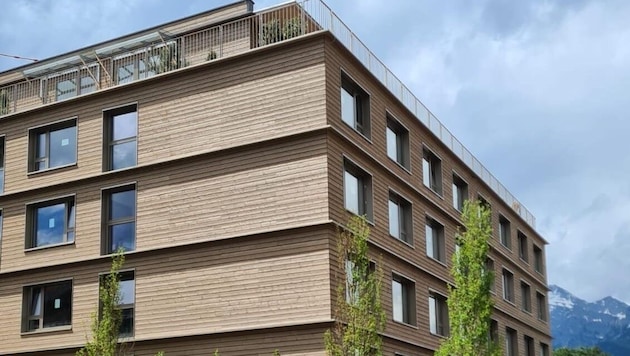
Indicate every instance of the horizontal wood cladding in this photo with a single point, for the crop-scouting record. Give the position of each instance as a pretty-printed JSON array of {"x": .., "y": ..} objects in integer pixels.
[
  {"x": 382, "y": 104},
  {"x": 415, "y": 254},
  {"x": 275, "y": 186},
  {"x": 267, "y": 93},
  {"x": 261, "y": 281}
]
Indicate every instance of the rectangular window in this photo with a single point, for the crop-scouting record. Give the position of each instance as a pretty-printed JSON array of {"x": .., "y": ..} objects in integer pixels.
[
  {"x": 529, "y": 346},
  {"x": 397, "y": 142},
  {"x": 484, "y": 202},
  {"x": 511, "y": 347},
  {"x": 526, "y": 297},
  {"x": 355, "y": 106},
  {"x": 66, "y": 84},
  {"x": 119, "y": 227},
  {"x": 508, "y": 286},
  {"x": 460, "y": 193},
  {"x": 522, "y": 246},
  {"x": 357, "y": 190},
  {"x": 141, "y": 65},
  {"x": 490, "y": 269},
  {"x": 404, "y": 300},
  {"x": 432, "y": 171},
  {"x": 538, "y": 259},
  {"x": 438, "y": 315},
  {"x": 434, "y": 234},
  {"x": 541, "y": 306},
  {"x": 121, "y": 135},
  {"x": 2, "y": 164},
  {"x": 50, "y": 223},
  {"x": 53, "y": 146},
  {"x": 544, "y": 349},
  {"x": 127, "y": 302},
  {"x": 493, "y": 332},
  {"x": 400, "y": 225},
  {"x": 504, "y": 232},
  {"x": 47, "y": 306}
]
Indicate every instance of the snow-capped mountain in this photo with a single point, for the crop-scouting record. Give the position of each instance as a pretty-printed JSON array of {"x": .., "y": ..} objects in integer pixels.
[{"x": 576, "y": 322}]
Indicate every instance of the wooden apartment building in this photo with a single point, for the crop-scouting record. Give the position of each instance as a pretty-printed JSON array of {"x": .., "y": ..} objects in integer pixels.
[{"x": 222, "y": 151}]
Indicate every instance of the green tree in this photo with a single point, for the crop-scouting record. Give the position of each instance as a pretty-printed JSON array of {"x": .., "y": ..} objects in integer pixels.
[
  {"x": 359, "y": 315},
  {"x": 582, "y": 351},
  {"x": 470, "y": 302},
  {"x": 106, "y": 326}
]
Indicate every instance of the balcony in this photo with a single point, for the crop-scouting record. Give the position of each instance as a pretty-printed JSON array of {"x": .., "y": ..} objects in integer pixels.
[{"x": 149, "y": 55}]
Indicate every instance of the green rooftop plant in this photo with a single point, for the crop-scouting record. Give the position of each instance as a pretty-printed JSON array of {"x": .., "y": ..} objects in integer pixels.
[{"x": 4, "y": 102}]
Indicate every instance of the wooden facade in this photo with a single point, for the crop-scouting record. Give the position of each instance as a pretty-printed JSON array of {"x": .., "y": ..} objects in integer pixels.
[{"x": 240, "y": 192}]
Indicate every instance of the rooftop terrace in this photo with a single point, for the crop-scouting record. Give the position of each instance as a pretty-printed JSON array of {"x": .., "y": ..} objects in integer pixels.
[{"x": 161, "y": 50}]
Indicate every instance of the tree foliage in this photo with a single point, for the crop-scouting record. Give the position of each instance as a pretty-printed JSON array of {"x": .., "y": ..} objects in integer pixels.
[
  {"x": 582, "y": 351},
  {"x": 470, "y": 302},
  {"x": 359, "y": 315},
  {"x": 105, "y": 327}
]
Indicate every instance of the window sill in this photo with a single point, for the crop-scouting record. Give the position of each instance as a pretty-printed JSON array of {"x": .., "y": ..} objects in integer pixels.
[
  {"x": 38, "y": 248},
  {"x": 438, "y": 261},
  {"x": 367, "y": 219},
  {"x": 438, "y": 335},
  {"x": 52, "y": 169},
  {"x": 405, "y": 324},
  {"x": 47, "y": 330},
  {"x": 506, "y": 247},
  {"x": 524, "y": 260},
  {"x": 509, "y": 301},
  {"x": 434, "y": 191},
  {"x": 402, "y": 241},
  {"x": 408, "y": 170},
  {"x": 526, "y": 311}
]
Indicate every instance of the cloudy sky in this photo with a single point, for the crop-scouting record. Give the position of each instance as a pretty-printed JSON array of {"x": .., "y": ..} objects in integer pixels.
[{"x": 538, "y": 90}]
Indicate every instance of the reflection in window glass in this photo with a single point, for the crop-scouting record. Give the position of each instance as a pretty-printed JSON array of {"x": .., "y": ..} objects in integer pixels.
[
  {"x": 394, "y": 219},
  {"x": 121, "y": 219},
  {"x": 351, "y": 190},
  {"x": 122, "y": 139},
  {"x": 54, "y": 146},
  {"x": 53, "y": 223},
  {"x": 397, "y": 298},
  {"x": 348, "y": 114}
]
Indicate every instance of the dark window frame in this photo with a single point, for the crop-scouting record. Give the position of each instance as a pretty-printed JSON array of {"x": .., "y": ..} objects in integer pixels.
[
  {"x": 408, "y": 299},
  {"x": 31, "y": 221},
  {"x": 442, "y": 324},
  {"x": 511, "y": 341},
  {"x": 34, "y": 137},
  {"x": 541, "y": 307},
  {"x": 405, "y": 218},
  {"x": 123, "y": 275},
  {"x": 27, "y": 305},
  {"x": 361, "y": 105},
  {"x": 438, "y": 240},
  {"x": 507, "y": 278},
  {"x": 528, "y": 342},
  {"x": 364, "y": 190},
  {"x": 401, "y": 134},
  {"x": 526, "y": 297},
  {"x": 505, "y": 232},
  {"x": 461, "y": 187},
  {"x": 108, "y": 222},
  {"x": 434, "y": 176},
  {"x": 538, "y": 259},
  {"x": 108, "y": 131},
  {"x": 523, "y": 246}
]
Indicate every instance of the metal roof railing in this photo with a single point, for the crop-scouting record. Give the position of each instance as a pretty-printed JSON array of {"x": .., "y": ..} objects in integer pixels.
[{"x": 328, "y": 20}]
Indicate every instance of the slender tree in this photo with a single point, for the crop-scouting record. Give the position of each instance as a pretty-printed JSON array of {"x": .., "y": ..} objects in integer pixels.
[
  {"x": 359, "y": 315},
  {"x": 106, "y": 324},
  {"x": 470, "y": 302}
]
